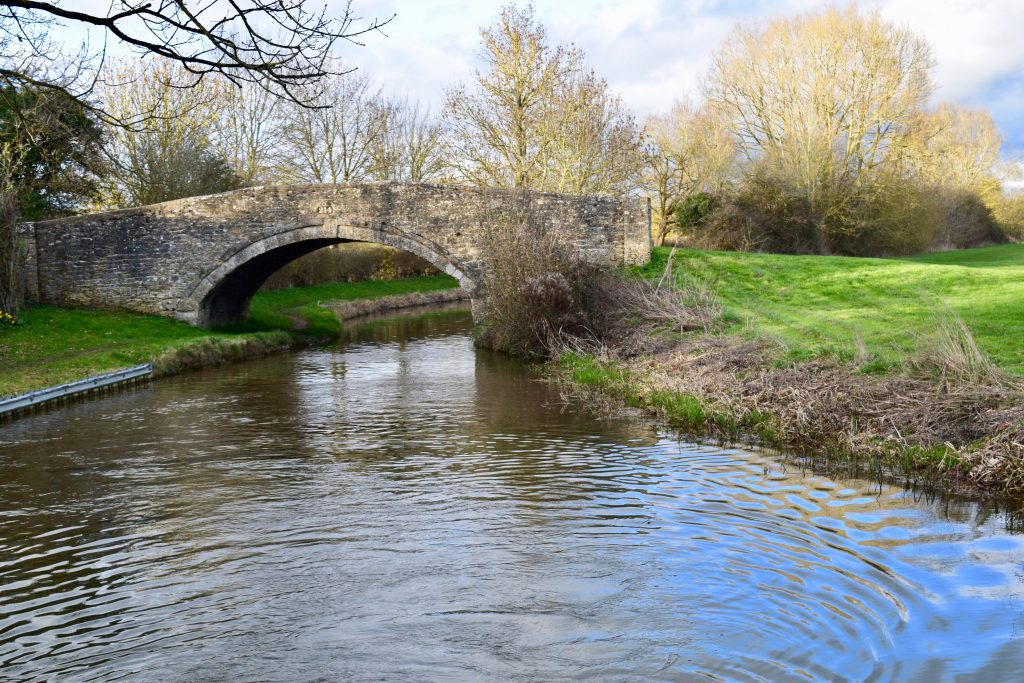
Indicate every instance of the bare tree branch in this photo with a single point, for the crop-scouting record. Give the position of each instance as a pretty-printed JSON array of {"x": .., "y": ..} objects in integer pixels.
[{"x": 277, "y": 45}]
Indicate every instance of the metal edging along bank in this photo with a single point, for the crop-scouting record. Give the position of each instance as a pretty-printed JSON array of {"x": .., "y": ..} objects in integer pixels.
[{"x": 82, "y": 386}]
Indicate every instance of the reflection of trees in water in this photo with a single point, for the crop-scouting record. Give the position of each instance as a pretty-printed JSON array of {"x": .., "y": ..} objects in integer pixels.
[
  {"x": 390, "y": 370},
  {"x": 516, "y": 435},
  {"x": 515, "y": 398},
  {"x": 415, "y": 323},
  {"x": 538, "y": 446},
  {"x": 898, "y": 491},
  {"x": 974, "y": 513}
]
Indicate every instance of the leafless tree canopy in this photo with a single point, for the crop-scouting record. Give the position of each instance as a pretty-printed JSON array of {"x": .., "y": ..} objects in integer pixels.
[
  {"x": 334, "y": 142},
  {"x": 279, "y": 45},
  {"x": 537, "y": 117}
]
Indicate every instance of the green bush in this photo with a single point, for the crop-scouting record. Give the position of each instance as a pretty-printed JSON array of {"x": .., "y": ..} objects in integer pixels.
[
  {"x": 694, "y": 212},
  {"x": 1009, "y": 214},
  {"x": 968, "y": 222},
  {"x": 881, "y": 216},
  {"x": 764, "y": 213}
]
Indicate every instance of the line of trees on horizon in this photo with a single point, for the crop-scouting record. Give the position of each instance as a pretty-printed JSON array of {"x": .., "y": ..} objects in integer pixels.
[{"x": 812, "y": 134}]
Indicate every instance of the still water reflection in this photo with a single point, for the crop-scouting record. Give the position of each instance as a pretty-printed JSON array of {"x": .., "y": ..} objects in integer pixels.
[{"x": 402, "y": 507}]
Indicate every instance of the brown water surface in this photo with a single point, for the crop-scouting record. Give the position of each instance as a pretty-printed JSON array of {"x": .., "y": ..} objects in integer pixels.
[{"x": 402, "y": 507}]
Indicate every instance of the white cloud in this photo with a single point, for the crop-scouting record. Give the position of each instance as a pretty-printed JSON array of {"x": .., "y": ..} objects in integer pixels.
[{"x": 975, "y": 42}]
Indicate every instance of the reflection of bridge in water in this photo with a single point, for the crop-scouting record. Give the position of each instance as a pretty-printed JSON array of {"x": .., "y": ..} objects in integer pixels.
[{"x": 201, "y": 259}]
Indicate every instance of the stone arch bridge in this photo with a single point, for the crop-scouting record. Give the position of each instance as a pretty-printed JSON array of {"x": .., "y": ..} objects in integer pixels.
[{"x": 201, "y": 259}]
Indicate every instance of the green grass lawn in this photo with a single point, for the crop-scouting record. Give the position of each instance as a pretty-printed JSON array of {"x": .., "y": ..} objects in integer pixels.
[
  {"x": 821, "y": 305},
  {"x": 55, "y": 345},
  {"x": 279, "y": 308}
]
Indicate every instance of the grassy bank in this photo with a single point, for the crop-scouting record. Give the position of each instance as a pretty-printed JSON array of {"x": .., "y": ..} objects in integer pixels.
[
  {"x": 853, "y": 362},
  {"x": 53, "y": 345},
  {"x": 871, "y": 312},
  {"x": 346, "y": 310}
]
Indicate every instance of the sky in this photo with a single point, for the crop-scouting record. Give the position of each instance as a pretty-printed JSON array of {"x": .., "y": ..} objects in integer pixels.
[{"x": 655, "y": 51}]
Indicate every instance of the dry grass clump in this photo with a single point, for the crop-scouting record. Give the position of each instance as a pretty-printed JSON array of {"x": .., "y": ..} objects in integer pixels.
[
  {"x": 998, "y": 462},
  {"x": 637, "y": 307},
  {"x": 950, "y": 355},
  {"x": 645, "y": 315}
]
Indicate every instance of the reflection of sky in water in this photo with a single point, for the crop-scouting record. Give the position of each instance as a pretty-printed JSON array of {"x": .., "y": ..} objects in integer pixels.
[{"x": 403, "y": 508}]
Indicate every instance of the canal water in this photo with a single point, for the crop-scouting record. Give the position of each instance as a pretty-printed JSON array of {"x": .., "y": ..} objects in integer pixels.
[{"x": 404, "y": 508}]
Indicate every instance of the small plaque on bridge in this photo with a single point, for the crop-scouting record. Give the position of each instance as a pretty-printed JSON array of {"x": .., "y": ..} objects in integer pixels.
[{"x": 325, "y": 209}]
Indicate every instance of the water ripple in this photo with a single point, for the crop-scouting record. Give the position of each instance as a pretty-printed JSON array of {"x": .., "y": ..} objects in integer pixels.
[{"x": 404, "y": 508}]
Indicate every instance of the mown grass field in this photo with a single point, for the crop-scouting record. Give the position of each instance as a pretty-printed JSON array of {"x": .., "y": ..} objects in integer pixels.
[
  {"x": 54, "y": 345},
  {"x": 872, "y": 312}
]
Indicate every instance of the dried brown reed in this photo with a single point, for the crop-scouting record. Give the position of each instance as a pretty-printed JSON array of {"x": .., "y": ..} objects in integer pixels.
[
  {"x": 952, "y": 418},
  {"x": 955, "y": 436},
  {"x": 950, "y": 355},
  {"x": 998, "y": 462}
]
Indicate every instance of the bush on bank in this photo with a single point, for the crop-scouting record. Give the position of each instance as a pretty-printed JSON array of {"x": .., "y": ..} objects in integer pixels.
[
  {"x": 538, "y": 292},
  {"x": 764, "y": 212},
  {"x": 542, "y": 298}
]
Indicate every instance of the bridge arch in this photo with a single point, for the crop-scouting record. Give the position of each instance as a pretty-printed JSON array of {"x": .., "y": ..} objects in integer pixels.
[
  {"x": 200, "y": 259},
  {"x": 222, "y": 295}
]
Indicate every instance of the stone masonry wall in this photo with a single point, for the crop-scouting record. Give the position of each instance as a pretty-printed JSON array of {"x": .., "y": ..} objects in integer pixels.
[{"x": 166, "y": 258}]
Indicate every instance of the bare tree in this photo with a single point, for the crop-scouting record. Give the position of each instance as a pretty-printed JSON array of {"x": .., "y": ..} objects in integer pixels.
[
  {"x": 501, "y": 126},
  {"x": 334, "y": 141},
  {"x": 278, "y": 45},
  {"x": 411, "y": 149},
  {"x": 955, "y": 152},
  {"x": 595, "y": 146},
  {"x": 170, "y": 154},
  {"x": 688, "y": 151},
  {"x": 537, "y": 118},
  {"x": 958, "y": 147},
  {"x": 826, "y": 97},
  {"x": 248, "y": 133}
]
